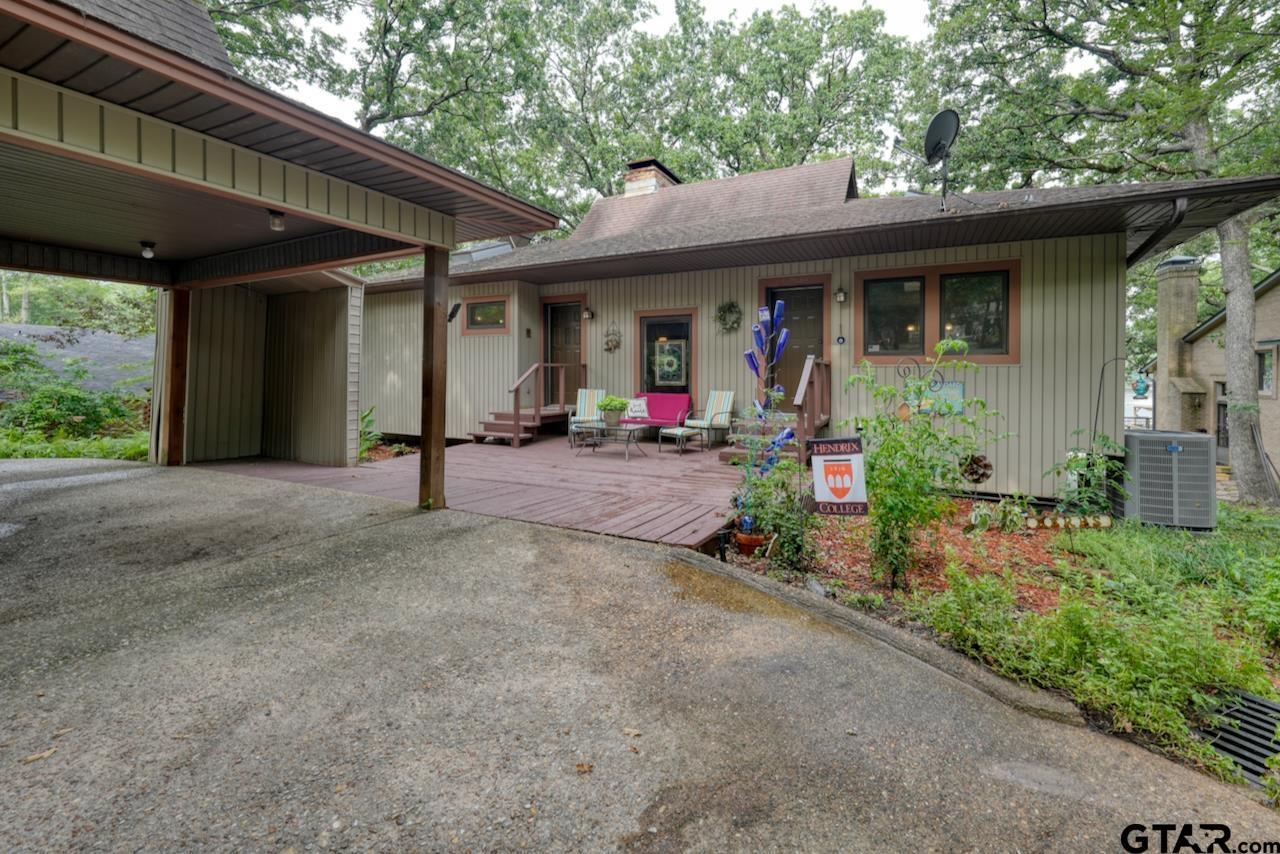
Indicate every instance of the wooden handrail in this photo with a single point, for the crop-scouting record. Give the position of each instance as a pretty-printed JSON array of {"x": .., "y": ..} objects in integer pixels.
[
  {"x": 812, "y": 402},
  {"x": 538, "y": 370}
]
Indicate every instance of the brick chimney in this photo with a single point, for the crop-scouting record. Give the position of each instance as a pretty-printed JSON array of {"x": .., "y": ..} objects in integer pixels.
[
  {"x": 647, "y": 176},
  {"x": 1177, "y": 295}
]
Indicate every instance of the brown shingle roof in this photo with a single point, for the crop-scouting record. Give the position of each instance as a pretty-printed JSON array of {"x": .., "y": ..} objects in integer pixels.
[
  {"x": 182, "y": 26},
  {"x": 800, "y": 213}
]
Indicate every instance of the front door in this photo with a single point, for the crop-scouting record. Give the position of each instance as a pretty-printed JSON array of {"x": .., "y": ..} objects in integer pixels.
[
  {"x": 563, "y": 346},
  {"x": 805, "y": 318}
]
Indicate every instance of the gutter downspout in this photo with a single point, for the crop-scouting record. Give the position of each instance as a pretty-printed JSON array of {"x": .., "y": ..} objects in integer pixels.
[{"x": 1161, "y": 232}]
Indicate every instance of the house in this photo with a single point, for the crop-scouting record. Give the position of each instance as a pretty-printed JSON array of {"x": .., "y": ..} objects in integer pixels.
[
  {"x": 1032, "y": 278},
  {"x": 1189, "y": 368},
  {"x": 131, "y": 150}
]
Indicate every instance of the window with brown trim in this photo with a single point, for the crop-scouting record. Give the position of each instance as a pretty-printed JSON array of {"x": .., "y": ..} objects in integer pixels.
[
  {"x": 975, "y": 309},
  {"x": 904, "y": 313},
  {"x": 485, "y": 316},
  {"x": 894, "y": 316}
]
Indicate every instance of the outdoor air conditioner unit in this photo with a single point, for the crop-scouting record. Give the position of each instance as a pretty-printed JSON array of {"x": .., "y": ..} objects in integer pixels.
[{"x": 1171, "y": 479}]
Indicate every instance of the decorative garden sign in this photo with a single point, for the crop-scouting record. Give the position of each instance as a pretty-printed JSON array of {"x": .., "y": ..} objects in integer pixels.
[{"x": 839, "y": 479}]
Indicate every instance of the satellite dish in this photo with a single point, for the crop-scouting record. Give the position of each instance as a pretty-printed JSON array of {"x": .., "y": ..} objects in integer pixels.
[
  {"x": 940, "y": 136},
  {"x": 938, "y": 140}
]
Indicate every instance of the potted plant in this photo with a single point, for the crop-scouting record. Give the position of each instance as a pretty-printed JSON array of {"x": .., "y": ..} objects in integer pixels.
[
  {"x": 749, "y": 535},
  {"x": 611, "y": 409}
]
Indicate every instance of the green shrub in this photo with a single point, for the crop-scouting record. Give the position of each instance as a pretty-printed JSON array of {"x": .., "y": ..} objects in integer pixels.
[
  {"x": 863, "y": 601},
  {"x": 59, "y": 405},
  {"x": 914, "y": 448},
  {"x": 1088, "y": 476},
  {"x": 1156, "y": 669},
  {"x": 780, "y": 511},
  {"x": 369, "y": 435},
  {"x": 15, "y": 444}
]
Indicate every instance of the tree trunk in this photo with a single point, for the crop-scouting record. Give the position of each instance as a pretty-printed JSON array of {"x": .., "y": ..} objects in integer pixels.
[
  {"x": 1247, "y": 465},
  {"x": 25, "y": 315},
  {"x": 4, "y": 295}
]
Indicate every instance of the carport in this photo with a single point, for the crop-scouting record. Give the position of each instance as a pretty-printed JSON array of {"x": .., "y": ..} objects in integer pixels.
[{"x": 130, "y": 150}]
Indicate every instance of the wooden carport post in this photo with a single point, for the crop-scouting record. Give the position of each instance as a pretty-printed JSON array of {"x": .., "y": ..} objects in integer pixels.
[
  {"x": 435, "y": 299},
  {"x": 174, "y": 414}
]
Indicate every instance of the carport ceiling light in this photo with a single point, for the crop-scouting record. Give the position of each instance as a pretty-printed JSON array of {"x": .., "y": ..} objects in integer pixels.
[
  {"x": 148, "y": 248},
  {"x": 275, "y": 220}
]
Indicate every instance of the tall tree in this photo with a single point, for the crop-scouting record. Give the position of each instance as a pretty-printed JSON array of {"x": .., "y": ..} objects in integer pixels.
[
  {"x": 282, "y": 42},
  {"x": 1090, "y": 90}
]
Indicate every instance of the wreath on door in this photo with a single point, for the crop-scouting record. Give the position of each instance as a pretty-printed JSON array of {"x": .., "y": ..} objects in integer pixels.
[{"x": 729, "y": 316}]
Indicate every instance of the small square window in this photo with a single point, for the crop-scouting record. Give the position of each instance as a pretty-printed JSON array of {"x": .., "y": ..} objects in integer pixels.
[
  {"x": 894, "y": 311},
  {"x": 487, "y": 316},
  {"x": 975, "y": 309},
  {"x": 1267, "y": 371}
]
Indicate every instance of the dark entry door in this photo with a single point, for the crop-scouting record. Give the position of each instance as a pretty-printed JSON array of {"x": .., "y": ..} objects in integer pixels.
[
  {"x": 804, "y": 317},
  {"x": 563, "y": 346},
  {"x": 1224, "y": 438}
]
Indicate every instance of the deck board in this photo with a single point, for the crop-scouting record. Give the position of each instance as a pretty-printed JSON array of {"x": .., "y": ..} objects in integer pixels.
[{"x": 679, "y": 499}]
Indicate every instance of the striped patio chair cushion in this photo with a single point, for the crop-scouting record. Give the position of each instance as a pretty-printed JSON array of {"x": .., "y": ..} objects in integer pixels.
[
  {"x": 588, "y": 407},
  {"x": 718, "y": 413}
]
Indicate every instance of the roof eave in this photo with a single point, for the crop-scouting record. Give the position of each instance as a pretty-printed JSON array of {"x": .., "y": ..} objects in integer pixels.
[{"x": 99, "y": 35}]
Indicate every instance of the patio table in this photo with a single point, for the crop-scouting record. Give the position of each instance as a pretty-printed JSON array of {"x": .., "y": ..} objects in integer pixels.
[{"x": 595, "y": 436}]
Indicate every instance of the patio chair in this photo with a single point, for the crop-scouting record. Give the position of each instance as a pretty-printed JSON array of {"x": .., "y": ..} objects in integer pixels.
[
  {"x": 587, "y": 411},
  {"x": 716, "y": 416}
]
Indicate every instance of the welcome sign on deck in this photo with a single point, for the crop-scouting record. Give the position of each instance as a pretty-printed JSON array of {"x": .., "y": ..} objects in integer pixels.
[{"x": 839, "y": 480}]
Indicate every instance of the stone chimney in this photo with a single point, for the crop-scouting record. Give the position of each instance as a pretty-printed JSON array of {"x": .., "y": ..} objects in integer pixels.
[
  {"x": 1178, "y": 395},
  {"x": 647, "y": 176}
]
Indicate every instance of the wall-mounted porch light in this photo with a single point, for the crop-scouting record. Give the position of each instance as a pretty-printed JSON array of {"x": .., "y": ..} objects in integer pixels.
[
  {"x": 275, "y": 220},
  {"x": 588, "y": 314},
  {"x": 841, "y": 294},
  {"x": 148, "y": 248}
]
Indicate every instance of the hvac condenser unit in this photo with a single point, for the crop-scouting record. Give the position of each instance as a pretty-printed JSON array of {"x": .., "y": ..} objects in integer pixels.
[{"x": 1171, "y": 479}]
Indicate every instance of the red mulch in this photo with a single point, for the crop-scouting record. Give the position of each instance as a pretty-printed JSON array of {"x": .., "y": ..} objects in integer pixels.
[
  {"x": 843, "y": 554},
  {"x": 381, "y": 452}
]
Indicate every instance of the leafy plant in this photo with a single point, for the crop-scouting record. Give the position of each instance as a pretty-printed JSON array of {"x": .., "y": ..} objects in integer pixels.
[
  {"x": 369, "y": 435},
  {"x": 780, "y": 511},
  {"x": 16, "y": 444},
  {"x": 612, "y": 403},
  {"x": 1155, "y": 668},
  {"x": 1089, "y": 475},
  {"x": 57, "y": 404},
  {"x": 1008, "y": 515},
  {"x": 913, "y": 457},
  {"x": 864, "y": 601}
]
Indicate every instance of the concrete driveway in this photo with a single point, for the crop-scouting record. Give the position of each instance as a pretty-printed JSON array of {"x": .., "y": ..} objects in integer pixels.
[{"x": 222, "y": 662}]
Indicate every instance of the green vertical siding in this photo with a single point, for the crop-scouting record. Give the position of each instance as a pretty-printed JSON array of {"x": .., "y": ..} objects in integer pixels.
[
  {"x": 224, "y": 374},
  {"x": 307, "y": 395},
  {"x": 1072, "y": 300},
  {"x": 481, "y": 367}
]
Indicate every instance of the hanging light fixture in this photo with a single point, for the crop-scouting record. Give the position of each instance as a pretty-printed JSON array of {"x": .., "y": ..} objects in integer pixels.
[
  {"x": 148, "y": 248},
  {"x": 275, "y": 220},
  {"x": 841, "y": 294}
]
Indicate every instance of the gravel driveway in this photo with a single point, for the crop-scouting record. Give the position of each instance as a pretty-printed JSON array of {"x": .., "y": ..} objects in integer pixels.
[{"x": 228, "y": 663}]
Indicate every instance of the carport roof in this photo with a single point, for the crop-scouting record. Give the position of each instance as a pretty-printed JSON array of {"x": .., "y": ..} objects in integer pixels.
[
  {"x": 801, "y": 213},
  {"x": 163, "y": 58}
]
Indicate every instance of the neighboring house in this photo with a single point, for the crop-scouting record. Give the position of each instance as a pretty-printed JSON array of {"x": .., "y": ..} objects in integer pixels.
[
  {"x": 1033, "y": 279},
  {"x": 1190, "y": 364},
  {"x": 113, "y": 361}
]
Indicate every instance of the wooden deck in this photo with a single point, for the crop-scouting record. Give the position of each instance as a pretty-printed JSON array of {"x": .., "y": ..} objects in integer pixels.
[{"x": 665, "y": 498}]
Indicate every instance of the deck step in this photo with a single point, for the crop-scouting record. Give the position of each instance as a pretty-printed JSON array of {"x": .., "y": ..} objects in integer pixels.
[
  {"x": 481, "y": 435},
  {"x": 505, "y": 426}
]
